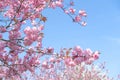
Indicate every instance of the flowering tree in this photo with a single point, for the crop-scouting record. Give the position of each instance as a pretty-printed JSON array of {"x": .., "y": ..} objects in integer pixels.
[{"x": 21, "y": 49}]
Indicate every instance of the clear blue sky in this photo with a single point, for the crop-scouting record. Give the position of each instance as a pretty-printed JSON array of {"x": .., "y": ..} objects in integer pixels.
[{"x": 102, "y": 32}]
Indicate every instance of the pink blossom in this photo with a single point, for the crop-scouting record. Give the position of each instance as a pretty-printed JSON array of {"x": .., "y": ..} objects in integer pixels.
[
  {"x": 52, "y": 59},
  {"x": 72, "y": 63},
  {"x": 27, "y": 41},
  {"x": 51, "y": 66},
  {"x": 77, "y": 19},
  {"x": 45, "y": 64},
  {"x": 87, "y": 53},
  {"x": 74, "y": 53},
  {"x": 50, "y": 50},
  {"x": 2, "y": 75},
  {"x": 34, "y": 30},
  {"x": 28, "y": 66},
  {"x": 2, "y": 29},
  {"x": 2, "y": 45},
  {"x": 27, "y": 30},
  {"x": 52, "y": 5},
  {"x": 82, "y": 13},
  {"x": 90, "y": 61},
  {"x": 0, "y": 36},
  {"x": 72, "y": 10},
  {"x": 79, "y": 60},
  {"x": 67, "y": 60},
  {"x": 78, "y": 50},
  {"x": 59, "y": 4},
  {"x": 66, "y": 11},
  {"x": 39, "y": 38},
  {"x": 83, "y": 23},
  {"x": 39, "y": 45},
  {"x": 96, "y": 55},
  {"x": 41, "y": 27},
  {"x": 59, "y": 60},
  {"x": 37, "y": 62},
  {"x": 14, "y": 35}
]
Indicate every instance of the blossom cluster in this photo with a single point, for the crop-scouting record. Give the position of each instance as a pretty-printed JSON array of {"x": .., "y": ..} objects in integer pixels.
[
  {"x": 32, "y": 34},
  {"x": 79, "y": 56},
  {"x": 21, "y": 49}
]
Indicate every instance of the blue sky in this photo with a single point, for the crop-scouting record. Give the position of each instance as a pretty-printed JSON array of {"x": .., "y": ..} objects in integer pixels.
[{"x": 101, "y": 33}]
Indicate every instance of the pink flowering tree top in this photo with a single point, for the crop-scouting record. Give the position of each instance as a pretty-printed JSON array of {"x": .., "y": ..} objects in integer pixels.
[{"x": 21, "y": 35}]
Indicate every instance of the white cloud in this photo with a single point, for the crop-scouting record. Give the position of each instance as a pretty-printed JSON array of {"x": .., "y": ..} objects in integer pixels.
[{"x": 114, "y": 40}]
